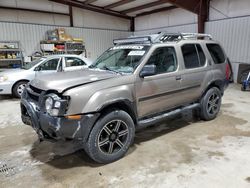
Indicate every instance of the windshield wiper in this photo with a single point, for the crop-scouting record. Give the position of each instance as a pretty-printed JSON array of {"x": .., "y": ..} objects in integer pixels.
[
  {"x": 91, "y": 66},
  {"x": 107, "y": 68}
]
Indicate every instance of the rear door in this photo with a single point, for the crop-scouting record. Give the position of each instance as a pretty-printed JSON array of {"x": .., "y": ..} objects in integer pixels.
[
  {"x": 73, "y": 63},
  {"x": 159, "y": 92},
  {"x": 196, "y": 73}
]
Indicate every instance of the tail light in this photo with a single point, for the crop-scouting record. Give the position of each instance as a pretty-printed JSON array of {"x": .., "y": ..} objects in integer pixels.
[{"x": 228, "y": 71}]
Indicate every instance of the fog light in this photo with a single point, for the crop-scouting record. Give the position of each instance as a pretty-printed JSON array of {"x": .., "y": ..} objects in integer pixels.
[
  {"x": 54, "y": 112},
  {"x": 57, "y": 104}
]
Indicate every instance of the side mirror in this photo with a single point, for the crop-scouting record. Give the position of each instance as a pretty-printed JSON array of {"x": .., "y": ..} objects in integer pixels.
[
  {"x": 148, "y": 70},
  {"x": 37, "y": 68}
]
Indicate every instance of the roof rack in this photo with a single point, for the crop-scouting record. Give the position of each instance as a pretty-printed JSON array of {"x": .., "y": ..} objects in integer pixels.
[
  {"x": 160, "y": 37},
  {"x": 174, "y": 37},
  {"x": 133, "y": 40}
]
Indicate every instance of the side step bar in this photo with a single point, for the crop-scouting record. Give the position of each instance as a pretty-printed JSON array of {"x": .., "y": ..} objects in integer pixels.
[{"x": 150, "y": 121}]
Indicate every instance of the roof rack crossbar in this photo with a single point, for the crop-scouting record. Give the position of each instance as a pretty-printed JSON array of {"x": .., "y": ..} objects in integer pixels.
[
  {"x": 197, "y": 35},
  {"x": 174, "y": 37}
]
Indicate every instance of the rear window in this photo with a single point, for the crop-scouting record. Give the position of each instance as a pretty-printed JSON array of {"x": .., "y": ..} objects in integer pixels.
[
  {"x": 193, "y": 56},
  {"x": 217, "y": 53}
]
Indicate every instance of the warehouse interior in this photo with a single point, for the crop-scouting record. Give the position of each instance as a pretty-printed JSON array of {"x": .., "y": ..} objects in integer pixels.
[
  {"x": 28, "y": 22},
  {"x": 180, "y": 152}
]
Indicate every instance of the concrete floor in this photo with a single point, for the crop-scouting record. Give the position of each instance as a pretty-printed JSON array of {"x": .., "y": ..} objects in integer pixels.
[{"x": 180, "y": 153}]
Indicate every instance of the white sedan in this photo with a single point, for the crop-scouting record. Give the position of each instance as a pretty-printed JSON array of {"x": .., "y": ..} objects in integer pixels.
[{"x": 13, "y": 81}]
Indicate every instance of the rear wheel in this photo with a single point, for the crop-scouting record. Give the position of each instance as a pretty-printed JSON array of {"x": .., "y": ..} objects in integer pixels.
[
  {"x": 18, "y": 88},
  {"x": 111, "y": 137},
  {"x": 210, "y": 104}
]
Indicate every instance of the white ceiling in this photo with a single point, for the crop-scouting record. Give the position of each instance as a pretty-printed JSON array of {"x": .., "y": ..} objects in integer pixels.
[{"x": 133, "y": 4}]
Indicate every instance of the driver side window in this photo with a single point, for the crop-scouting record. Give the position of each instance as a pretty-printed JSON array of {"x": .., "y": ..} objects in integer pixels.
[
  {"x": 164, "y": 58},
  {"x": 49, "y": 65}
]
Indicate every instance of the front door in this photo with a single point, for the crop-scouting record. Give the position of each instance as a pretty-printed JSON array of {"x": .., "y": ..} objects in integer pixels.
[
  {"x": 48, "y": 67},
  {"x": 159, "y": 92}
]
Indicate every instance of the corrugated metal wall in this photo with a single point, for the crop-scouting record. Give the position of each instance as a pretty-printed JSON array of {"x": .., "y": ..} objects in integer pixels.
[
  {"x": 171, "y": 29},
  {"x": 96, "y": 40},
  {"x": 234, "y": 35}
]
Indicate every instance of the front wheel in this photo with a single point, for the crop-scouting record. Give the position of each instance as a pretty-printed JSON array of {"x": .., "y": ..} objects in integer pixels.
[
  {"x": 210, "y": 104},
  {"x": 111, "y": 137},
  {"x": 18, "y": 88}
]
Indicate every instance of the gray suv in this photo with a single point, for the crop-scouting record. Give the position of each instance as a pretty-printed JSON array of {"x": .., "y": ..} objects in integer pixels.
[{"x": 137, "y": 83}]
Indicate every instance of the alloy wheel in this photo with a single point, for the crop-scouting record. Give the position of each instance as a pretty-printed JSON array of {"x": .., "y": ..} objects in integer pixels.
[
  {"x": 113, "y": 136},
  {"x": 213, "y": 104},
  {"x": 20, "y": 89}
]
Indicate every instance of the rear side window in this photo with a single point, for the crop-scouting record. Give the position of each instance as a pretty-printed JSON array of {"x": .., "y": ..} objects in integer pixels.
[
  {"x": 73, "y": 61},
  {"x": 193, "y": 56},
  {"x": 217, "y": 53}
]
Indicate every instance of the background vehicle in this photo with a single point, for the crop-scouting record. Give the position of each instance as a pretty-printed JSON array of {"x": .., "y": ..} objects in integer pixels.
[
  {"x": 138, "y": 82},
  {"x": 246, "y": 83},
  {"x": 244, "y": 76},
  {"x": 13, "y": 81}
]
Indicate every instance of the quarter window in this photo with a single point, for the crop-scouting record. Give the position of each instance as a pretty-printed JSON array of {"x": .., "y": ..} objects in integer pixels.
[
  {"x": 217, "y": 53},
  {"x": 164, "y": 59},
  {"x": 73, "y": 61},
  {"x": 193, "y": 56}
]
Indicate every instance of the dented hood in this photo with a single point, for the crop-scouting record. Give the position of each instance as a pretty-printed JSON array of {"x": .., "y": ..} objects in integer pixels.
[{"x": 63, "y": 80}]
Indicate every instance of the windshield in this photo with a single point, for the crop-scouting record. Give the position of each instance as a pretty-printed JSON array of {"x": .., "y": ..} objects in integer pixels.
[
  {"x": 33, "y": 63},
  {"x": 121, "y": 59}
]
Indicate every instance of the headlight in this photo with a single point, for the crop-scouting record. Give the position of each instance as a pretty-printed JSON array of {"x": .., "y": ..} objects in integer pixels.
[
  {"x": 49, "y": 104},
  {"x": 54, "y": 105},
  {"x": 3, "y": 78}
]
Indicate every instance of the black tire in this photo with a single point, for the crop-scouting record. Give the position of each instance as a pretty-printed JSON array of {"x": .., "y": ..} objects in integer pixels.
[
  {"x": 111, "y": 136},
  {"x": 243, "y": 88},
  {"x": 210, "y": 104},
  {"x": 17, "y": 89}
]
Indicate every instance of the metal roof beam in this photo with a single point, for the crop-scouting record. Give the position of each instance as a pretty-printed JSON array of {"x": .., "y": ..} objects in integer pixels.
[
  {"x": 199, "y": 7},
  {"x": 148, "y": 5},
  {"x": 117, "y": 4},
  {"x": 190, "y": 5},
  {"x": 91, "y": 8},
  {"x": 89, "y": 1},
  {"x": 34, "y": 10},
  {"x": 203, "y": 15}
]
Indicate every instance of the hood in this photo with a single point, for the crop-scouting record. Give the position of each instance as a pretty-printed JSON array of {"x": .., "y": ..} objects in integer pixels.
[
  {"x": 7, "y": 72},
  {"x": 61, "y": 81}
]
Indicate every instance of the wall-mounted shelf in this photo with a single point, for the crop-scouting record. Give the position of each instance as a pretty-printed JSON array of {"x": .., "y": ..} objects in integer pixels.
[
  {"x": 60, "y": 47},
  {"x": 10, "y": 54},
  {"x": 11, "y": 59}
]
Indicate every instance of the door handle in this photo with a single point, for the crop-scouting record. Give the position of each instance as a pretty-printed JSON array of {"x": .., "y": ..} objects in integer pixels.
[{"x": 178, "y": 77}]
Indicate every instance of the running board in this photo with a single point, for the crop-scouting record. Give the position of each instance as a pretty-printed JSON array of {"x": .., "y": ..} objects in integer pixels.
[{"x": 150, "y": 121}]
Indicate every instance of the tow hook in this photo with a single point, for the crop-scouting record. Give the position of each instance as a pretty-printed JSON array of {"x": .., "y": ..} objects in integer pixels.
[{"x": 40, "y": 135}]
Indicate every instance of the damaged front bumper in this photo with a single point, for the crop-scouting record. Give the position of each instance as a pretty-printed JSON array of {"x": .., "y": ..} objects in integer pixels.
[{"x": 55, "y": 128}]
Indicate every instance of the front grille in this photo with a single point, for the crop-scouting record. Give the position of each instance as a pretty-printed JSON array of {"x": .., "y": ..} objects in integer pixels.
[
  {"x": 36, "y": 90},
  {"x": 33, "y": 97},
  {"x": 34, "y": 93}
]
